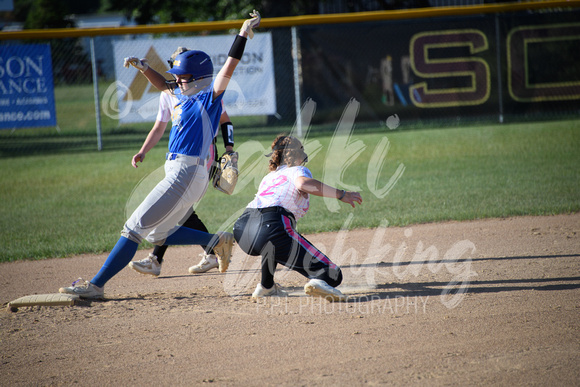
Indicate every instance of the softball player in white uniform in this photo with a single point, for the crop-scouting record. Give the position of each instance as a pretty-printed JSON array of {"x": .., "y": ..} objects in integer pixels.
[
  {"x": 268, "y": 225},
  {"x": 195, "y": 121}
]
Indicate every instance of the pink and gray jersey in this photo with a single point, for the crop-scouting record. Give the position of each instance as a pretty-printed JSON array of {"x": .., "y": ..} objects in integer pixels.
[{"x": 278, "y": 188}]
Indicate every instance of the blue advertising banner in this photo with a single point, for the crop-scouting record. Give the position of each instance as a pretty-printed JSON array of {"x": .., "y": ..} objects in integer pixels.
[{"x": 26, "y": 87}]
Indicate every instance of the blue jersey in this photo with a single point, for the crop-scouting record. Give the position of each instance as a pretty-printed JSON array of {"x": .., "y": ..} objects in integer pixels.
[{"x": 195, "y": 122}]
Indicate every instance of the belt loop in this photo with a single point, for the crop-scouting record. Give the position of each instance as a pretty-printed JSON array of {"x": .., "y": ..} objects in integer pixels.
[{"x": 194, "y": 160}]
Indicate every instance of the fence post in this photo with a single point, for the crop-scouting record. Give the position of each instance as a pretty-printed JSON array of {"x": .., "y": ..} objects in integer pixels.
[
  {"x": 498, "y": 61},
  {"x": 296, "y": 82},
  {"x": 96, "y": 92}
]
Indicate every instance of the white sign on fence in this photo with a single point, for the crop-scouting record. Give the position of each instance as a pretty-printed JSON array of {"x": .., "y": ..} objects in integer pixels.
[{"x": 251, "y": 91}]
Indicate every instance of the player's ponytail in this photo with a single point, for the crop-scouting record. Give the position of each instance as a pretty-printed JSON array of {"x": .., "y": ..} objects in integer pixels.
[{"x": 286, "y": 150}]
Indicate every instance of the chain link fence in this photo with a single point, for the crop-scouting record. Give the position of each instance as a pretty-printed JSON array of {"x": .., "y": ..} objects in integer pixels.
[{"x": 441, "y": 71}]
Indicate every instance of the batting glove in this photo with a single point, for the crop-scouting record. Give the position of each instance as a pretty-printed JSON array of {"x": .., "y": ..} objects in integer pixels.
[
  {"x": 140, "y": 64},
  {"x": 251, "y": 23}
]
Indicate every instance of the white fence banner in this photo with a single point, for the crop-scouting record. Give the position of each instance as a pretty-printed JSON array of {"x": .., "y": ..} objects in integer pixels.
[{"x": 251, "y": 91}]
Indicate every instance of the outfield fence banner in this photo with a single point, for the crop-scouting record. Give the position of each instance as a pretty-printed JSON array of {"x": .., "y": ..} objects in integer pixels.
[
  {"x": 26, "y": 86},
  {"x": 252, "y": 89},
  {"x": 467, "y": 67},
  {"x": 487, "y": 67}
]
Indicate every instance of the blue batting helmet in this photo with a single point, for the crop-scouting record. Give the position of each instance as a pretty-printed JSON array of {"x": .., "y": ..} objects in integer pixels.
[{"x": 194, "y": 62}]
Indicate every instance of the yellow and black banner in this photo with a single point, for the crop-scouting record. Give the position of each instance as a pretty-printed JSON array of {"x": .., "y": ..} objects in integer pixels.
[{"x": 449, "y": 67}]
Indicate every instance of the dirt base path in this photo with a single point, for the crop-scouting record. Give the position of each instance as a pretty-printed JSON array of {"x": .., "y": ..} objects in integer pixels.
[{"x": 490, "y": 302}]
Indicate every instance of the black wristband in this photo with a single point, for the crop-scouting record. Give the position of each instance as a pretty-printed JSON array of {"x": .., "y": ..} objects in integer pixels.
[
  {"x": 342, "y": 195},
  {"x": 228, "y": 133},
  {"x": 237, "y": 49}
]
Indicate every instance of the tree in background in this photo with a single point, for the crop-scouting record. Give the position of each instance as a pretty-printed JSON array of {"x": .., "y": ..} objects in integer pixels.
[
  {"x": 38, "y": 14},
  {"x": 70, "y": 62},
  {"x": 179, "y": 11},
  {"x": 56, "y": 13},
  {"x": 48, "y": 14}
]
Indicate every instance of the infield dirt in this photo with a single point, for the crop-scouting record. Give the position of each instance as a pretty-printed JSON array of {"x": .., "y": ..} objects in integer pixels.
[{"x": 487, "y": 302}]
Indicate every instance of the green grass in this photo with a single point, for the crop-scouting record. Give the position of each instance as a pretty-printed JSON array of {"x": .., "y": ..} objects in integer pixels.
[{"x": 61, "y": 197}]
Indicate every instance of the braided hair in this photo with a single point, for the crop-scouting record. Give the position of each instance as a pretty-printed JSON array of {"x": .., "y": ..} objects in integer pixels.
[{"x": 286, "y": 150}]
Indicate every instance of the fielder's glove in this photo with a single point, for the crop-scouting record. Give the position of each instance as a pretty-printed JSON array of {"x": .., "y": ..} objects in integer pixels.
[
  {"x": 140, "y": 64},
  {"x": 226, "y": 176},
  {"x": 251, "y": 23}
]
